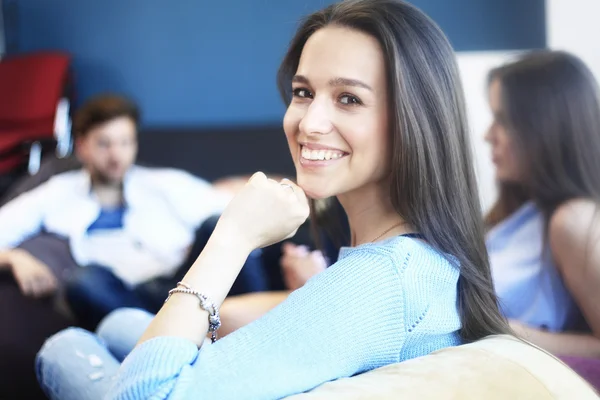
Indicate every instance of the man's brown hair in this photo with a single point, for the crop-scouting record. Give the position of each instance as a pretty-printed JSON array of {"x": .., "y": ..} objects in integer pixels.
[{"x": 101, "y": 109}]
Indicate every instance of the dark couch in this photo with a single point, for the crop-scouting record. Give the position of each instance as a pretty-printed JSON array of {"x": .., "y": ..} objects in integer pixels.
[
  {"x": 28, "y": 322},
  {"x": 217, "y": 153}
]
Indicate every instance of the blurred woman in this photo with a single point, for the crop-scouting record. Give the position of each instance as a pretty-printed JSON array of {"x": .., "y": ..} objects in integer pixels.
[{"x": 544, "y": 228}]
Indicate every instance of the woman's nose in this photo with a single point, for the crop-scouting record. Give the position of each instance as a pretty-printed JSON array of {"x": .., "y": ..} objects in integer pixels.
[{"x": 317, "y": 119}]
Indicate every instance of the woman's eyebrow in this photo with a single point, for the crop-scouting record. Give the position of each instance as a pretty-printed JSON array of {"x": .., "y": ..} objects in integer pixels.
[{"x": 335, "y": 82}]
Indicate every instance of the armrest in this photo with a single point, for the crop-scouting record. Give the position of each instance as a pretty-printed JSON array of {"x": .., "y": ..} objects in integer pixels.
[
  {"x": 36, "y": 149},
  {"x": 30, "y": 150},
  {"x": 24, "y": 146}
]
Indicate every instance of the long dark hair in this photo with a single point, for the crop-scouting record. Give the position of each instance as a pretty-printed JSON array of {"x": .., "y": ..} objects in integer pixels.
[
  {"x": 433, "y": 183},
  {"x": 551, "y": 107}
]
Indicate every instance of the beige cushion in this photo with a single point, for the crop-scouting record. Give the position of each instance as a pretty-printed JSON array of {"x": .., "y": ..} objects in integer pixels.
[{"x": 498, "y": 367}]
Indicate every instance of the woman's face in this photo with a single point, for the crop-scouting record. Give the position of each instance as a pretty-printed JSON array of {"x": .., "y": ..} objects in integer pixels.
[
  {"x": 337, "y": 123},
  {"x": 504, "y": 151}
]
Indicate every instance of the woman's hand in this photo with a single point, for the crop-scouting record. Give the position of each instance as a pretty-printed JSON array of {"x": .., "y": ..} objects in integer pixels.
[
  {"x": 559, "y": 343},
  {"x": 521, "y": 329},
  {"x": 264, "y": 212},
  {"x": 298, "y": 265}
]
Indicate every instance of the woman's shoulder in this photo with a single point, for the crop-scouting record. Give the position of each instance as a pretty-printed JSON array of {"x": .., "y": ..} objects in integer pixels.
[
  {"x": 572, "y": 225},
  {"x": 574, "y": 214},
  {"x": 400, "y": 251}
]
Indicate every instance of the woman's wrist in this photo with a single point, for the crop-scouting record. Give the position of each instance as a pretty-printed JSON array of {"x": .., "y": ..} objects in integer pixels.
[
  {"x": 215, "y": 270},
  {"x": 229, "y": 235},
  {"x": 212, "y": 275}
]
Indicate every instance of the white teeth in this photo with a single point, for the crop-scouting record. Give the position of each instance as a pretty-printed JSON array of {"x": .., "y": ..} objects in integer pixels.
[
  {"x": 319, "y": 155},
  {"x": 332, "y": 155}
]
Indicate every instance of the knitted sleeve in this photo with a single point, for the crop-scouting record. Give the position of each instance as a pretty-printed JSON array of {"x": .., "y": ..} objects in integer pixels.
[{"x": 346, "y": 320}]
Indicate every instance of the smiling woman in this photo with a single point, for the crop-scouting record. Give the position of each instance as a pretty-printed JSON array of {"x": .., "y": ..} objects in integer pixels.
[
  {"x": 339, "y": 106},
  {"x": 375, "y": 118}
]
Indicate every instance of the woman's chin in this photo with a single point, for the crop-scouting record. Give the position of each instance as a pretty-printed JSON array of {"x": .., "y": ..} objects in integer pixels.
[{"x": 315, "y": 192}]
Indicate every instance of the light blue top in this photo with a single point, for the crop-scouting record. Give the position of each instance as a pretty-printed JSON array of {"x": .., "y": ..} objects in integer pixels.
[
  {"x": 526, "y": 280},
  {"x": 379, "y": 304}
]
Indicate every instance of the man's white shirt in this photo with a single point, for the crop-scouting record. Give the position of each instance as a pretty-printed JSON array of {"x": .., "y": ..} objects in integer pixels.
[{"x": 163, "y": 209}]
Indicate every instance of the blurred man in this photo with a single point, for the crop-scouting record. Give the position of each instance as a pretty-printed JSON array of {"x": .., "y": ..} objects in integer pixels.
[{"x": 126, "y": 225}]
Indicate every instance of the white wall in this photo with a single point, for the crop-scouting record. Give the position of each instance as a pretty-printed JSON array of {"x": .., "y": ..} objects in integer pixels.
[{"x": 574, "y": 26}]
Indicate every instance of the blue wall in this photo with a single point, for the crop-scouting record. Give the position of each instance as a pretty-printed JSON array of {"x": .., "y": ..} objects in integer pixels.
[{"x": 203, "y": 63}]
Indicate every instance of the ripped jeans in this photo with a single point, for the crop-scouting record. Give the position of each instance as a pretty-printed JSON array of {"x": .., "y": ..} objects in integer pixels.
[{"x": 75, "y": 364}]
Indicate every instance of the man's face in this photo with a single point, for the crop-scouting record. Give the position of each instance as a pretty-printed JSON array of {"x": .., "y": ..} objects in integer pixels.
[{"x": 107, "y": 151}]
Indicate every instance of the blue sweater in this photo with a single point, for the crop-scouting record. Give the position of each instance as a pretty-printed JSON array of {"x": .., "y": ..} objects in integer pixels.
[{"x": 379, "y": 304}]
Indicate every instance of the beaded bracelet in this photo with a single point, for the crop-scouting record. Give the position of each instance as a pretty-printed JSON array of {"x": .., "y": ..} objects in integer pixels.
[{"x": 214, "y": 319}]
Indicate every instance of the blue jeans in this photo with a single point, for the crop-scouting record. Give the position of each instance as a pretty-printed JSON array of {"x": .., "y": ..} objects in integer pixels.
[
  {"x": 76, "y": 364},
  {"x": 94, "y": 291}
]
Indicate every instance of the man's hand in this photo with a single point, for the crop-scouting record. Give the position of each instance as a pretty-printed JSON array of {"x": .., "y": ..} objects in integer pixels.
[
  {"x": 298, "y": 265},
  {"x": 34, "y": 278}
]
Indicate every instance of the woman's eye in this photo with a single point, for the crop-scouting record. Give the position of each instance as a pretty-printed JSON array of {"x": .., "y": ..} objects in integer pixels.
[
  {"x": 303, "y": 93},
  {"x": 348, "y": 99}
]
